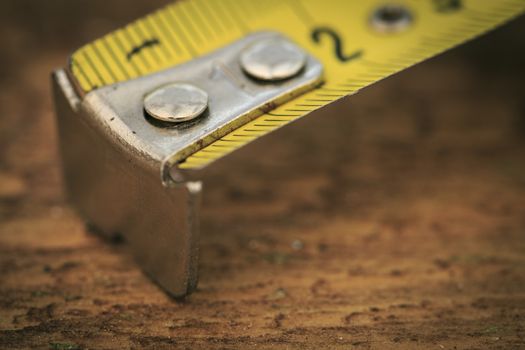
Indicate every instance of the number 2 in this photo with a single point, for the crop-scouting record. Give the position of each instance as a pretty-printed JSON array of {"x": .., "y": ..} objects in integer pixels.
[{"x": 318, "y": 32}]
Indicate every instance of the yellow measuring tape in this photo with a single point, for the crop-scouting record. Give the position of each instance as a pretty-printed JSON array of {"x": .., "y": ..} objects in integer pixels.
[{"x": 340, "y": 33}]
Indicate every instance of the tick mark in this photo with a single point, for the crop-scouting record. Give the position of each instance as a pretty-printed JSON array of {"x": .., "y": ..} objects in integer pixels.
[{"x": 144, "y": 45}]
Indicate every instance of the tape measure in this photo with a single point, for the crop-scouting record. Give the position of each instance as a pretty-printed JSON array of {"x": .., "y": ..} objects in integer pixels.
[
  {"x": 207, "y": 69},
  {"x": 358, "y": 42}
]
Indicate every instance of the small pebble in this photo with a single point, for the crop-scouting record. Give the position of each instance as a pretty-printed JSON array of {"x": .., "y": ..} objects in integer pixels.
[{"x": 297, "y": 245}]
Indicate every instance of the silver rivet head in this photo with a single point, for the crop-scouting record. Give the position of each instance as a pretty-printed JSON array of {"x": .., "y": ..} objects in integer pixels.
[
  {"x": 176, "y": 102},
  {"x": 391, "y": 19},
  {"x": 272, "y": 59}
]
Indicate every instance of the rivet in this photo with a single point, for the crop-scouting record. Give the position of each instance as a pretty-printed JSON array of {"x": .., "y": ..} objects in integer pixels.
[
  {"x": 176, "y": 103},
  {"x": 272, "y": 59},
  {"x": 391, "y": 19}
]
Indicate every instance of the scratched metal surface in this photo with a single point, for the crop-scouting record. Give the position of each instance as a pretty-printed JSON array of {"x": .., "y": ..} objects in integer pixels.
[{"x": 410, "y": 236}]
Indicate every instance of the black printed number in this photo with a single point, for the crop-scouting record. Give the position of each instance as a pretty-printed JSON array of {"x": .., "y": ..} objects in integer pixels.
[{"x": 318, "y": 33}]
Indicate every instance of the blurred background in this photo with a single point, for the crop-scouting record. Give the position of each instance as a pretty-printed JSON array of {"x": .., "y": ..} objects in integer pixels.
[{"x": 407, "y": 231}]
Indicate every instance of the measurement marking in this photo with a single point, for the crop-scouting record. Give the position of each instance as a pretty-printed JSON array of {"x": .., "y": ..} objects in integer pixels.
[
  {"x": 164, "y": 27},
  {"x": 226, "y": 140},
  {"x": 472, "y": 25},
  {"x": 378, "y": 71},
  {"x": 220, "y": 15},
  {"x": 237, "y": 19},
  {"x": 335, "y": 90},
  {"x": 257, "y": 130},
  {"x": 278, "y": 120},
  {"x": 352, "y": 84},
  {"x": 105, "y": 44},
  {"x": 452, "y": 36},
  {"x": 202, "y": 23},
  {"x": 211, "y": 15},
  {"x": 242, "y": 135},
  {"x": 371, "y": 76},
  {"x": 178, "y": 30},
  {"x": 206, "y": 150},
  {"x": 127, "y": 35},
  {"x": 366, "y": 82},
  {"x": 197, "y": 155},
  {"x": 120, "y": 45},
  {"x": 137, "y": 49},
  {"x": 367, "y": 62},
  {"x": 254, "y": 6},
  {"x": 329, "y": 95},
  {"x": 193, "y": 32},
  {"x": 141, "y": 35},
  {"x": 241, "y": 141},
  {"x": 90, "y": 63},
  {"x": 245, "y": 7},
  {"x": 148, "y": 56},
  {"x": 487, "y": 20},
  {"x": 282, "y": 115},
  {"x": 301, "y": 12},
  {"x": 383, "y": 72},
  {"x": 245, "y": 128},
  {"x": 220, "y": 146},
  {"x": 81, "y": 70},
  {"x": 154, "y": 31},
  {"x": 354, "y": 89},
  {"x": 496, "y": 13},
  {"x": 104, "y": 63},
  {"x": 308, "y": 105},
  {"x": 317, "y": 100},
  {"x": 475, "y": 11},
  {"x": 382, "y": 67},
  {"x": 412, "y": 59},
  {"x": 436, "y": 42},
  {"x": 337, "y": 42},
  {"x": 420, "y": 53},
  {"x": 266, "y": 124},
  {"x": 505, "y": 11},
  {"x": 299, "y": 110}
]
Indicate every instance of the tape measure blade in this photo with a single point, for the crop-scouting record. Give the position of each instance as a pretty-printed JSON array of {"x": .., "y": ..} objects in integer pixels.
[
  {"x": 436, "y": 36},
  {"x": 342, "y": 34}
]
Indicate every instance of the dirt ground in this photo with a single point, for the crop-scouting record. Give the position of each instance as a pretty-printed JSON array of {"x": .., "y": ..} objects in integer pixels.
[{"x": 392, "y": 220}]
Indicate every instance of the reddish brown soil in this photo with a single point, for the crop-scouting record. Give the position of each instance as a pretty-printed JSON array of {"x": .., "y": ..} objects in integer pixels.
[{"x": 393, "y": 220}]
